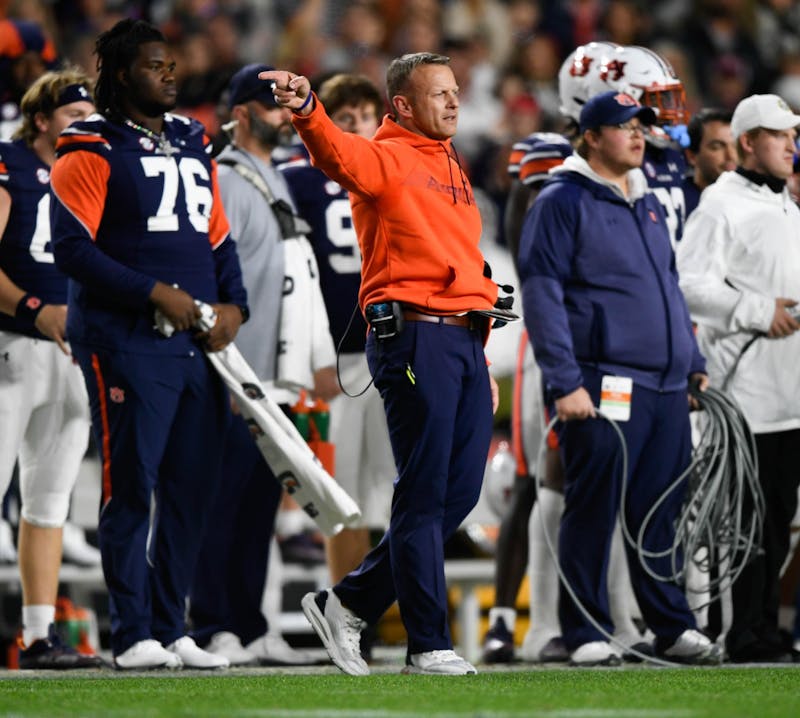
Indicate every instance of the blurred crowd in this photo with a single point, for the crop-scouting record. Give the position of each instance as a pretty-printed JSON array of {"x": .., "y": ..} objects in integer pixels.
[{"x": 505, "y": 53}]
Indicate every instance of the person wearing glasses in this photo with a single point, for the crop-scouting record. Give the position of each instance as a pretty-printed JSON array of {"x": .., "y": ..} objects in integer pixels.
[{"x": 605, "y": 315}]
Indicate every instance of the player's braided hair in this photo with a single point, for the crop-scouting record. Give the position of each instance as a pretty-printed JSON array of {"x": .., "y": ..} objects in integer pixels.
[{"x": 116, "y": 49}]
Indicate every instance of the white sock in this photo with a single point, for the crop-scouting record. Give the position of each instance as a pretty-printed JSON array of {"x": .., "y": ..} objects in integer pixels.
[
  {"x": 509, "y": 616},
  {"x": 273, "y": 589},
  {"x": 36, "y": 622},
  {"x": 546, "y": 516},
  {"x": 289, "y": 522},
  {"x": 622, "y": 605}
]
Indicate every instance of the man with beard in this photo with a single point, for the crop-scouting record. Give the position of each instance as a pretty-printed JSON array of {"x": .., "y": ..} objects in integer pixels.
[
  {"x": 138, "y": 226},
  {"x": 229, "y": 582}
]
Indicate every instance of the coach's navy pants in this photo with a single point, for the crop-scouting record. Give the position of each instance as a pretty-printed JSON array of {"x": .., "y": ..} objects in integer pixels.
[
  {"x": 435, "y": 388},
  {"x": 159, "y": 423},
  {"x": 229, "y": 582},
  {"x": 658, "y": 437}
]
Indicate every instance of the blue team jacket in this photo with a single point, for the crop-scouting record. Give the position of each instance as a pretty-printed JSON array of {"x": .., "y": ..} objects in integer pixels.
[
  {"x": 600, "y": 287},
  {"x": 125, "y": 213}
]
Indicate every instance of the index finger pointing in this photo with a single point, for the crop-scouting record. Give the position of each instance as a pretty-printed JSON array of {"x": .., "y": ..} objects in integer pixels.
[{"x": 278, "y": 76}]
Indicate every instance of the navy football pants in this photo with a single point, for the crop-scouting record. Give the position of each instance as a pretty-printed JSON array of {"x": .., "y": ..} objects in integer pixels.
[
  {"x": 658, "y": 437},
  {"x": 229, "y": 583},
  {"x": 159, "y": 423},
  {"x": 435, "y": 388}
]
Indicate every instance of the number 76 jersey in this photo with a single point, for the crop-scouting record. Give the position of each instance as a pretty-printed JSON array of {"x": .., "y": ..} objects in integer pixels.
[
  {"x": 25, "y": 251},
  {"x": 130, "y": 208}
]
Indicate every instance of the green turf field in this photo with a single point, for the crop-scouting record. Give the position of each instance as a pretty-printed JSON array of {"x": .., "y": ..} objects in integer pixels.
[{"x": 645, "y": 693}]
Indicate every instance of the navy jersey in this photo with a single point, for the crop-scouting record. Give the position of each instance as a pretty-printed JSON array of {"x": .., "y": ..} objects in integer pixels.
[
  {"x": 665, "y": 167},
  {"x": 129, "y": 210},
  {"x": 325, "y": 205},
  {"x": 691, "y": 194},
  {"x": 535, "y": 155},
  {"x": 25, "y": 250}
]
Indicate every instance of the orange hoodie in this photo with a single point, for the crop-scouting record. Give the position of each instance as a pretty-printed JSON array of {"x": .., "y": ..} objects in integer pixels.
[{"x": 413, "y": 211}]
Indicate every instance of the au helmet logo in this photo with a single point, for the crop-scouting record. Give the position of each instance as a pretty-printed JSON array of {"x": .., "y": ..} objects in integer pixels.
[
  {"x": 613, "y": 70},
  {"x": 625, "y": 100},
  {"x": 580, "y": 66}
]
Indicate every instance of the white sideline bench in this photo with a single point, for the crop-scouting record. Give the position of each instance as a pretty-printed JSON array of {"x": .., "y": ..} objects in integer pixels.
[
  {"x": 465, "y": 574},
  {"x": 468, "y": 575}
]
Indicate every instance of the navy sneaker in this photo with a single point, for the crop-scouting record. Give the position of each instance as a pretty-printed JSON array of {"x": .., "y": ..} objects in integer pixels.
[
  {"x": 51, "y": 654},
  {"x": 498, "y": 644}
]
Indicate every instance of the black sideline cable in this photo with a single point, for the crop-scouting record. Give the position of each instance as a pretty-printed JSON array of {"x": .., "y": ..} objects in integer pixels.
[{"x": 721, "y": 522}]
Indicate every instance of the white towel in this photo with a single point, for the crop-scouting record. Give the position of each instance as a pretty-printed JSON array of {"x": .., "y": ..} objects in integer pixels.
[
  {"x": 285, "y": 450},
  {"x": 304, "y": 338}
]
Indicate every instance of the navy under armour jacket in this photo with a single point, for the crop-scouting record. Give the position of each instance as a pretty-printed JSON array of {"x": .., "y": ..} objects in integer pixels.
[{"x": 599, "y": 284}]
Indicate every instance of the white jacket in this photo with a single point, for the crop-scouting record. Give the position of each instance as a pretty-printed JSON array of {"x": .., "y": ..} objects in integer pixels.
[{"x": 740, "y": 251}]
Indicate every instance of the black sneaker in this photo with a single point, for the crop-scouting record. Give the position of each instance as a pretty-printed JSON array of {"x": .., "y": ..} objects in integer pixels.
[
  {"x": 51, "y": 654},
  {"x": 498, "y": 644}
]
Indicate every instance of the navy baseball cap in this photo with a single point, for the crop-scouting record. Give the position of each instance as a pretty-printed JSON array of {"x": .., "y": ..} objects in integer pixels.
[
  {"x": 245, "y": 87},
  {"x": 613, "y": 108}
]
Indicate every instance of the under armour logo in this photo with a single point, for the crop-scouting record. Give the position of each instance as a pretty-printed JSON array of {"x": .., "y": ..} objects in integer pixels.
[{"x": 289, "y": 481}]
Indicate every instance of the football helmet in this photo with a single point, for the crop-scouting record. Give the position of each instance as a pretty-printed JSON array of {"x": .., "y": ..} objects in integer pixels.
[
  {"x": 645, "y": 76},
  {"x": 574, "y": 74}
]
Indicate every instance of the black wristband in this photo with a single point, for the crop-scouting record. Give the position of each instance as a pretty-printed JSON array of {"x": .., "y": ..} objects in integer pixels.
[{"x": 28, "y": 309}]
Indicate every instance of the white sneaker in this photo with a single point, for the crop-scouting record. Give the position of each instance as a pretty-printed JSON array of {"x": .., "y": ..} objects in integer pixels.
[
  {"x": 694, "y": 648},
  {"x": 147, "y": 654},
  {"x": 271, "y": 649},
  {"x": 195, "y": 657},
  {"x": 339, "y": 630},
  {"x": 595, "y": 653},
  {"x": 76, "y": 549},
  {"x": 8, "y": 554},
  {"x": 439, "y": 663},
  {"x": 228, "y": 645}
]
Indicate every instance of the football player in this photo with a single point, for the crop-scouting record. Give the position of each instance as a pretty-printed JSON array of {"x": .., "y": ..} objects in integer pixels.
[
  {"x": 44, "y": 410},
  {"x": 650, "y": 79},
  {"x": 138, "y": 226}
]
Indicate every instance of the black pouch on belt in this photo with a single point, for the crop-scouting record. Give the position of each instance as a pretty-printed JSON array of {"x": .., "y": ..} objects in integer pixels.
[{"x": 385, "y": 318}]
